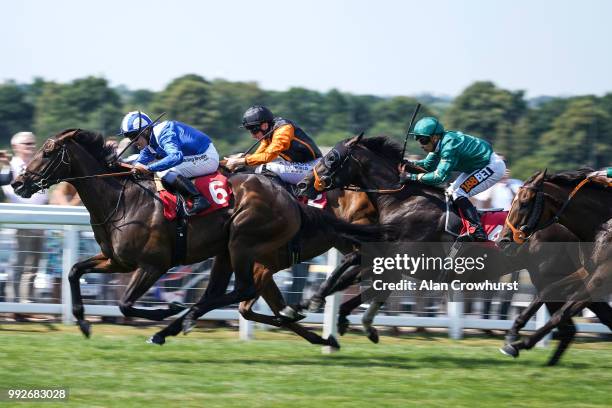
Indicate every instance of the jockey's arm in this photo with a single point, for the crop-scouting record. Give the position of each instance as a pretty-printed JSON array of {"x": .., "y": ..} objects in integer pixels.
[
  {"x": 146, "y": 156},
  {"x": 448, "y": 161},
  {"x": 430, "y": 162},
  {"x": 168, "y": 141},
  {"x": 281, "y": 141}
]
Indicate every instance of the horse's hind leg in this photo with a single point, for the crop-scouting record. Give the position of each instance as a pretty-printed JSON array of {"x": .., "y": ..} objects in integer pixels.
[
  {"x": 274, "y": 298},
  {"x": 603, "y": 312},
  {"x": 567, "y": 332},
  {"x": 142, "y": 280},
  {"x": 218, "y": 282}
]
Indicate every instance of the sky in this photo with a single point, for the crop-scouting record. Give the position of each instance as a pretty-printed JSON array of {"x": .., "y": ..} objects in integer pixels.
[{"x": 380, "y": 47}]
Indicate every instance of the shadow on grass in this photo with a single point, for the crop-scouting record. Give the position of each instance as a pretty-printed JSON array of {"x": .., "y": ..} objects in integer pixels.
[{"x": 379, "y": 361}]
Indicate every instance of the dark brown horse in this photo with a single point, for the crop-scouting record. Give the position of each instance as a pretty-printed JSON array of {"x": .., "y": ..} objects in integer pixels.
[
  {"x": 319, "y": 233},
  {"x": 134, "y": 236},
  {"x": 371, "y": 165},
  {"x": 584, "y": 207}
]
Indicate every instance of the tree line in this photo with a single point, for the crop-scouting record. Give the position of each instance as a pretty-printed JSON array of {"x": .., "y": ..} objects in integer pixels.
[{"x": 558, "y": 133}]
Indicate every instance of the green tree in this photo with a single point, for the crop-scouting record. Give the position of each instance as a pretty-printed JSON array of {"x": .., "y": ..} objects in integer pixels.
[
  {"x": 186, "y": 99},
  {"x": 487, "y": 111},
  {"x": 87, "y": 103},
  {"x": 578, "y": 138},
  {"x": 15, "y": 111}
]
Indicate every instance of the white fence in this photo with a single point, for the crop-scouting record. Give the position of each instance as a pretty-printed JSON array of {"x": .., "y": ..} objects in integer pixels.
[{"x": 73, "y": 222}]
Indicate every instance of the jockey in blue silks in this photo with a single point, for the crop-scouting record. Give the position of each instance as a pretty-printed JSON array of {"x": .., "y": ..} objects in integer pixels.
[{"x": 175, "y": 151}]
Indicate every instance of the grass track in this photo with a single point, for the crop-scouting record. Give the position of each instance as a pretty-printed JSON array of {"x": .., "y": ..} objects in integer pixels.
[{"x": 214, "y": 369}]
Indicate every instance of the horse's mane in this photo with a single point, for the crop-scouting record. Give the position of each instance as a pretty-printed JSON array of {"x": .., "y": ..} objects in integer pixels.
[
  {"x": 392, "y": 150},
  {"x": 93, "y": 142},
  {"x": 569, "y": 178},
  {"x": 384, "y": 146}
]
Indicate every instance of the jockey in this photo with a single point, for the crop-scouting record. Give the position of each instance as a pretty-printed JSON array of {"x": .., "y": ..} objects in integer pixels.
[
  {"x": 285, "y": 149},
  {"x": 450, "y": 151},
  {"x": 175, "y": 151}
]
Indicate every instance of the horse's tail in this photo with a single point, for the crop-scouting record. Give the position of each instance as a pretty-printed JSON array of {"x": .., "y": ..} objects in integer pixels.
[{"x": 316, "y": 219}]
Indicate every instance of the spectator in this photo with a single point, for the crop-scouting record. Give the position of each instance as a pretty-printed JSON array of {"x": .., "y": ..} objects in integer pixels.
[
  {"x": 64, "y": 194},
  {"x": 29, "y": 241}
]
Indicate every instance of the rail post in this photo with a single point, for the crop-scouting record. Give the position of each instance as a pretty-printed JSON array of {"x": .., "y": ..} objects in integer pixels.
[
  {"x": 69, "y": 258},
  {"x": 332, "y": 304}
]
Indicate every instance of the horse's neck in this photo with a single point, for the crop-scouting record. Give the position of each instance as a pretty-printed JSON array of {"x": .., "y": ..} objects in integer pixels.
[
  {"x": 99, "y": 195},
  {"x": 387, "y": 203},
  {"x": 586, "y": 211}
]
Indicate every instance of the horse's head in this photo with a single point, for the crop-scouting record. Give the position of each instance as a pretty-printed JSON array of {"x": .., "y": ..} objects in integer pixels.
[
  {"x": 50, "y": 164},
  {"x": 335, "y": 170},
  {"x": 55, "y": 160},
  {"x": 525, "y": 213}
]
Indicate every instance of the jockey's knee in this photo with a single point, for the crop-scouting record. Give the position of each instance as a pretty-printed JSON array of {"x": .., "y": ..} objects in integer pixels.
[{"x": 169, "y": 177}]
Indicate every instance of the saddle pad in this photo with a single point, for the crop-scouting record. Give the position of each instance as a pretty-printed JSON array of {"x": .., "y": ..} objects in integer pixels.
[
  {"x": 212, "y": 186},
  {"x": 319, "y": 201}
]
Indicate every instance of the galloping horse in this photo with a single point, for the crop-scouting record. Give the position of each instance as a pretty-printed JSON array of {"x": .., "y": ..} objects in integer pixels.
[
  {"x": 582, "y": 205},
  {"x": 129, "y": 225},
  {"x": 371, "y": 165}
]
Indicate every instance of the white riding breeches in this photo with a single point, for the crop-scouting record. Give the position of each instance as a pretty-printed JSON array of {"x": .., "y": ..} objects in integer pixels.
[
  {"x": 470, "y": 184},
  {"x": 196, "y": 165},
  {"x": 289, "y": 172}
]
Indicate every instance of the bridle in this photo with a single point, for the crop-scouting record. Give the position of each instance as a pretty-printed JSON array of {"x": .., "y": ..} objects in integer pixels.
[
  {"x": 59, "y": 159},
  {"x": 62, "y": 158},
  {"x": 524, "y": 232},
  {"x": 332, "y": 164}
]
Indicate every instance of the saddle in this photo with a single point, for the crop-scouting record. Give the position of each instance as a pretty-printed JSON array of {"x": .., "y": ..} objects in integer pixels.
[
  {"x": 214, "y": 187},
  {"x": 492, "y": 220}
]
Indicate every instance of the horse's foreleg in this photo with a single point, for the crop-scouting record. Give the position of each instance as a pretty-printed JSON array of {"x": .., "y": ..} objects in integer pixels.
[
  {"x": 98, "y": 263},
  {"x": 522, "y": 319},
  {"x": 330, "y": 285},
  {"x": 347, "y": 307}
]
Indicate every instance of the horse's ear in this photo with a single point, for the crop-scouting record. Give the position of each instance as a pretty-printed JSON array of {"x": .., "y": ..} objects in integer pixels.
[
  {"x": 354, "y": 140},
  {"x": 539, "y": 180}
]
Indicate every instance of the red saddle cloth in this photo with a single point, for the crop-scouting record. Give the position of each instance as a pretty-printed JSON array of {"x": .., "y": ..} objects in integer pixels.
[
  {"x": 212, "y": 186},
  {"x": 319, "y": 201},
  {"x": 492, "y": 223}
]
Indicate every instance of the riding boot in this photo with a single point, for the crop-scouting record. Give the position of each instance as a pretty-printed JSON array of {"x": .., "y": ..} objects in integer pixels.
[
  {"x": 188, "y": 190},
  {"x": 470, "y": 213}
]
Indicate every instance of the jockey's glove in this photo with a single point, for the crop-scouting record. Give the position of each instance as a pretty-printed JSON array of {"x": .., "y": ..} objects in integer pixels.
[{"x": 404, "y": 177}]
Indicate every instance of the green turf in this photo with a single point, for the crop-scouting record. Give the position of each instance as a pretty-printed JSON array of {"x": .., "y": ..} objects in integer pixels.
[{"x": 214, "y": 369}]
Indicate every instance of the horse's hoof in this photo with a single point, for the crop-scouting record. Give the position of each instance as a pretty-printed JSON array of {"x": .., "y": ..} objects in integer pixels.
[
  {"x": 373, "y": 335},
  {"x": 176, "y": 307},
  {"x": 509, "y": 350},
  {"x": 315, "y": 304},
  {"x": 343, "y": 325},
  {"x": 332, "y": 342},
  {"x": 156, "y": 339},
  {"x": 85, "y": 327},
  {"x": 511, "y": 338}
]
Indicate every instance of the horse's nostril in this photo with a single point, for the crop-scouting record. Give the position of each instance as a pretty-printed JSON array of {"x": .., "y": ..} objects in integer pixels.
[{"x": 302, "y": 185}]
